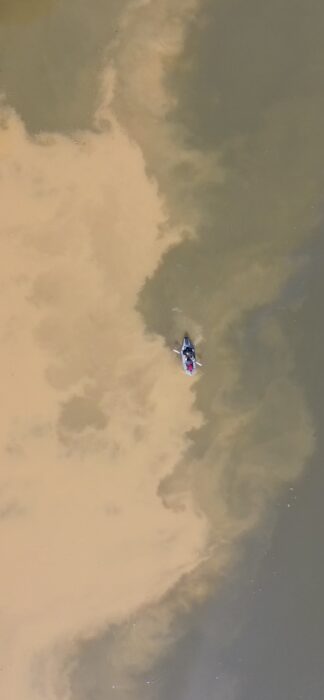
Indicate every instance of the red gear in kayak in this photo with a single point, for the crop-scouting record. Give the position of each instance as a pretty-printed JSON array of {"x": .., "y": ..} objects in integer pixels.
[{"x": 190, "y": 366}]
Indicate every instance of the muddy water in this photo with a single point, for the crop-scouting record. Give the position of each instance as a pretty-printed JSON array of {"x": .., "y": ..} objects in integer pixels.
[{"x": 161, "y": 172}]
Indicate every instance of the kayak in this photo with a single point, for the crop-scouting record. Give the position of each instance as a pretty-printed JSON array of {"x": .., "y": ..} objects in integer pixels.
[{"x": 188, "y": 356}]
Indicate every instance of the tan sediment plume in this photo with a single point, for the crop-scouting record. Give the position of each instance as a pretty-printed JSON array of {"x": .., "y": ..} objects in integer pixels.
[
  {"x": 87, "y": 426},
  {"x": 151, "y": 40},
  {"x": 254, "y": 446},
  {"x": 92, "y": 532},
  {"x": 251, "y": 455}
]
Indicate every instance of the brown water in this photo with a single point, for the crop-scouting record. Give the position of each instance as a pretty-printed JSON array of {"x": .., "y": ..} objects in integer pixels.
[{"x": 161, "y": 172}]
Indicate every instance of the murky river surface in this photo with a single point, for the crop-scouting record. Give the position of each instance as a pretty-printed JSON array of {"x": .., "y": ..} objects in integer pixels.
[{"x": 161, "y": 169}]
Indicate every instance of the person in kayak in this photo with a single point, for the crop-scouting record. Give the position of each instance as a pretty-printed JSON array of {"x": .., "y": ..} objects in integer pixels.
[{"x": 189, "y": 353}]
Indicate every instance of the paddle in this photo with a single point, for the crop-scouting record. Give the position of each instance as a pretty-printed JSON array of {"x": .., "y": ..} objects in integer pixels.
[{"x": 179, "y": 353}]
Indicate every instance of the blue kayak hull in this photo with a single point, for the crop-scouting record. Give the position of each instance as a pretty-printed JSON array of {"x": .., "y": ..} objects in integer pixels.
[{"x": 188, "y": 345}]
